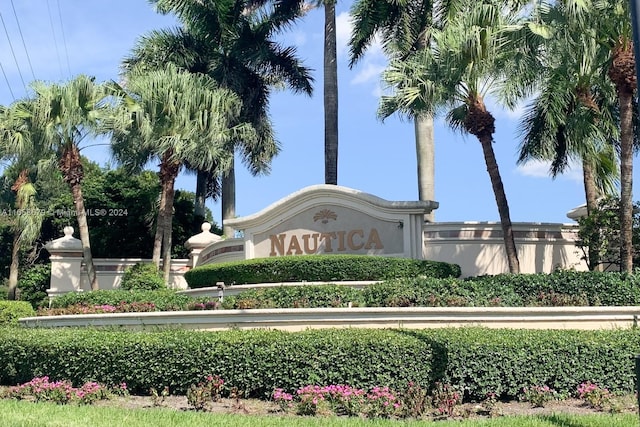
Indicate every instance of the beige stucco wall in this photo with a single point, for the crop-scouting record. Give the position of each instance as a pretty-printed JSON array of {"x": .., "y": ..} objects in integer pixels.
[{"x": 478, "y": 247}]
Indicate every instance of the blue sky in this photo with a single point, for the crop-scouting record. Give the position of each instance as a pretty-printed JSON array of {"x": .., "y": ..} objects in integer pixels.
[{"x": 64, "y": 38}]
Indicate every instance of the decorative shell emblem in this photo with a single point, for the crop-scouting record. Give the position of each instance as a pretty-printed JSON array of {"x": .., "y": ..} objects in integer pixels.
[{"x": 324, "y": 216}]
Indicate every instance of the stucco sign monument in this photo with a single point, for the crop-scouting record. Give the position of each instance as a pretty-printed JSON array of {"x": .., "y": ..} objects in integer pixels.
[{"x": 329, "y": 219}]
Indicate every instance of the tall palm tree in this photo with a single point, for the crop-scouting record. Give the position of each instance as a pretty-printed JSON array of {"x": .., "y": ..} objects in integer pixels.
[
  {"x": 62, "y": 116},
  {"x": 177, "y": 117},
  {"x": 403, "y": 27},
  {"x": 471, "y": 58},
  {"x": 573, "y": 117},
  {"x": 232, "y": 42}
]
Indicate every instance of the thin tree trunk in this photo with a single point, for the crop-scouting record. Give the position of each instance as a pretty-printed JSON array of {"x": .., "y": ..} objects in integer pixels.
[
  {"x": 501, "y": 199},
  {"x": 591, "y": 196},
  {"x": 201, "y": 197},
  {"x": 78, "y": 201},
  {"x": 14, "y": 267},
  {"x": 330, "y": 95},
  {"x": 228, "y": 201},
  {"x": 168, "y": 188},
  {"x": 160, "y": 227},
  {"x": 425, "y": 155},
  {"x": 626, "y": 180}
]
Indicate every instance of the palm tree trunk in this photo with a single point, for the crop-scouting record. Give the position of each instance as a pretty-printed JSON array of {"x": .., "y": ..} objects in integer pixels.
[
  {"x": 201, "y": 197},
  {"x": 591, "y": 196},
  {"x": 228, "y": 200},
  {"x": 626, "y": 180},
  {"x": 168, "y": 188},
  {"x": 425, "y": 154},
  {"x": 78, "y": 201},
  {"x": 13, "y": 268},
  {"x": 160, "y": 226},
  {"x": 501, "y": 199},
  {"x": 330, "y": 95}
]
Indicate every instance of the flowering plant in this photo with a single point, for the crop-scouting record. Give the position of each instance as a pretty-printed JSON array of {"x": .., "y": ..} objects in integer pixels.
[
  {"x": 445, "y": 398},
  {"x": 538, "y": 396},
  {"x": 596, "y": 396},
  {"x": 61, "y": 392}
]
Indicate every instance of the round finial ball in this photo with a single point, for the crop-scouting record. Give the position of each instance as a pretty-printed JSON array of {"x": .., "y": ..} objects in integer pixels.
[
  {"x": 206, "y": 227},
  {"x": 68, "y": 231}
]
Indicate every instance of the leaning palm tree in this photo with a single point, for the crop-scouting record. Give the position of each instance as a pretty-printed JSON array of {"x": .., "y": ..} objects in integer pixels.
[
  {"x": 233, "y": 43},
  {"x": 62, "y": 116},
  {"x": 176, "y": 117},
  {"x": 471, "y": 58}
]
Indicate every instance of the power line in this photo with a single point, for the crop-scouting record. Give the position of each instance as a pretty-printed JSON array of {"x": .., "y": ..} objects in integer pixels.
[
  {"x": 7, "y": 80},
  {"x": 13, "y": 52},
  {"x": 64, "y": 40},
  {"x": 22, "y": 38},
  {"x": 55, "y": 41}
]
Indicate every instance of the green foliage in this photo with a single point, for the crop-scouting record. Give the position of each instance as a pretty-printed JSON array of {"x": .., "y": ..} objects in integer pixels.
[
  {"x": 164, "y": 300},
  {"x": 474, "y": 361},
  {"x": 308, "y": 296},
  {"x": 33, "y": 283},
  {"x": 11, "y": 311},
  {"x": 142, "y": 277},
  {"x": 601, "y": 231},
  {"x": 316, "y": 268},
  {"x": 590, "y": 288}
]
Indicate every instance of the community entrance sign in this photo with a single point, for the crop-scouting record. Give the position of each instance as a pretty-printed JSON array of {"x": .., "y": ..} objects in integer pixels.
[{"x": 328, "y": 219}]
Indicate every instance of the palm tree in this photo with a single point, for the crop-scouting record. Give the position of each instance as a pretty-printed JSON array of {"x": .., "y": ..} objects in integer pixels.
[
  {"x": 403, "y": 27},
  {"x": 232, "y": 42},
  {"x": 26, "y": 230},
  {"x": 177, "y": 117},
  {"x": 62, "y": 116},
  {"x": 470, "y": 58},
  {"x": 572, "y": 116}
]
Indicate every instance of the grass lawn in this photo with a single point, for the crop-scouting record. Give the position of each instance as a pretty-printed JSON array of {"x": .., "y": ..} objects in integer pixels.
[{"x": 25, "y": 414}]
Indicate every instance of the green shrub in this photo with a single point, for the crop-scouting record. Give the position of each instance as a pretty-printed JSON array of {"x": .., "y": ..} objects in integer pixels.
[
  {"x": 475, "y": 361},
  {"x": 591, "y": 287},
  {"x": 11, "y": 311},
  {"x": 307, "y": 296},
  {"x": 311, "y": 268},
  {"x": 142, "y": 277},
  {"x": 164, "y": 300},
  {"x": 33, "y": 283}
]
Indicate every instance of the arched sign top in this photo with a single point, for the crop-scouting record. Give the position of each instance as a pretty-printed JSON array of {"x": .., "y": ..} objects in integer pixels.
[{"x": 332, "y": 219}]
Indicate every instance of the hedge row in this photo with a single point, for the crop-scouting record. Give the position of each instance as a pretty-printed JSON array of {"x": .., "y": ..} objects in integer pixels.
[
  {"x": 316, "y": 268},
  {"x": 164, "y": 300},
  {"x": 561, "y": 288},
  {"x": 474, "y": 360}
]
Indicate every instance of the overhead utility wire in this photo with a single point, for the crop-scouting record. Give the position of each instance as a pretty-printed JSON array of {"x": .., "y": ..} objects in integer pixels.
[
  {"x": 13, "y": 97},
  {"x": 13, "y": 52},
  {"x": 55, "y": 41},
  {"x": 24, "y": 45},
  {"x": 64, "y": 40}
]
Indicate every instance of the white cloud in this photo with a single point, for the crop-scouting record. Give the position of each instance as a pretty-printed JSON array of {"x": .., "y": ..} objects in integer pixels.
[
  {"x": 369, "y": 72},
  {"x": 540, "y": 169},
  {"x": 343, "y": 32}
]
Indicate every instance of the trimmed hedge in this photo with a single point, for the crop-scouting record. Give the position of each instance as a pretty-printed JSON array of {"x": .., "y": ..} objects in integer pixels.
[
  {"x": 308, "y": 296},
  {"x": 595, "y": 288},
  {"x": 313, "y": 268},
  {"x": 11, "y": 311},
  {"x": 164, "y": 300},
  {"x": 474, "y": 360}
]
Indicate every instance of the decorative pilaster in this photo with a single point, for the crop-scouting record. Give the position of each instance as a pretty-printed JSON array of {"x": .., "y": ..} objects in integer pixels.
[{"x": 66, "y": 262}]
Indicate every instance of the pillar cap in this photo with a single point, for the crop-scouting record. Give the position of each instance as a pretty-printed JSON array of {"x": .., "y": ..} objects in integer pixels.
[
  {"x": 203, "y": 239},
  {"x": 68, "y": 243}
]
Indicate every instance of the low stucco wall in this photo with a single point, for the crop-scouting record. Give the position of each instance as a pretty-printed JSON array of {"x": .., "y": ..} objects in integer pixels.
[{"x": 478, "y": 247}]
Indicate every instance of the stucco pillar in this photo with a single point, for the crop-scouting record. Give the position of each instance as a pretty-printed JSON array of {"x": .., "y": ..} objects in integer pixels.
[
  {"x": 66, "y": 262},
  {"x": 200, "y": 241}
]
